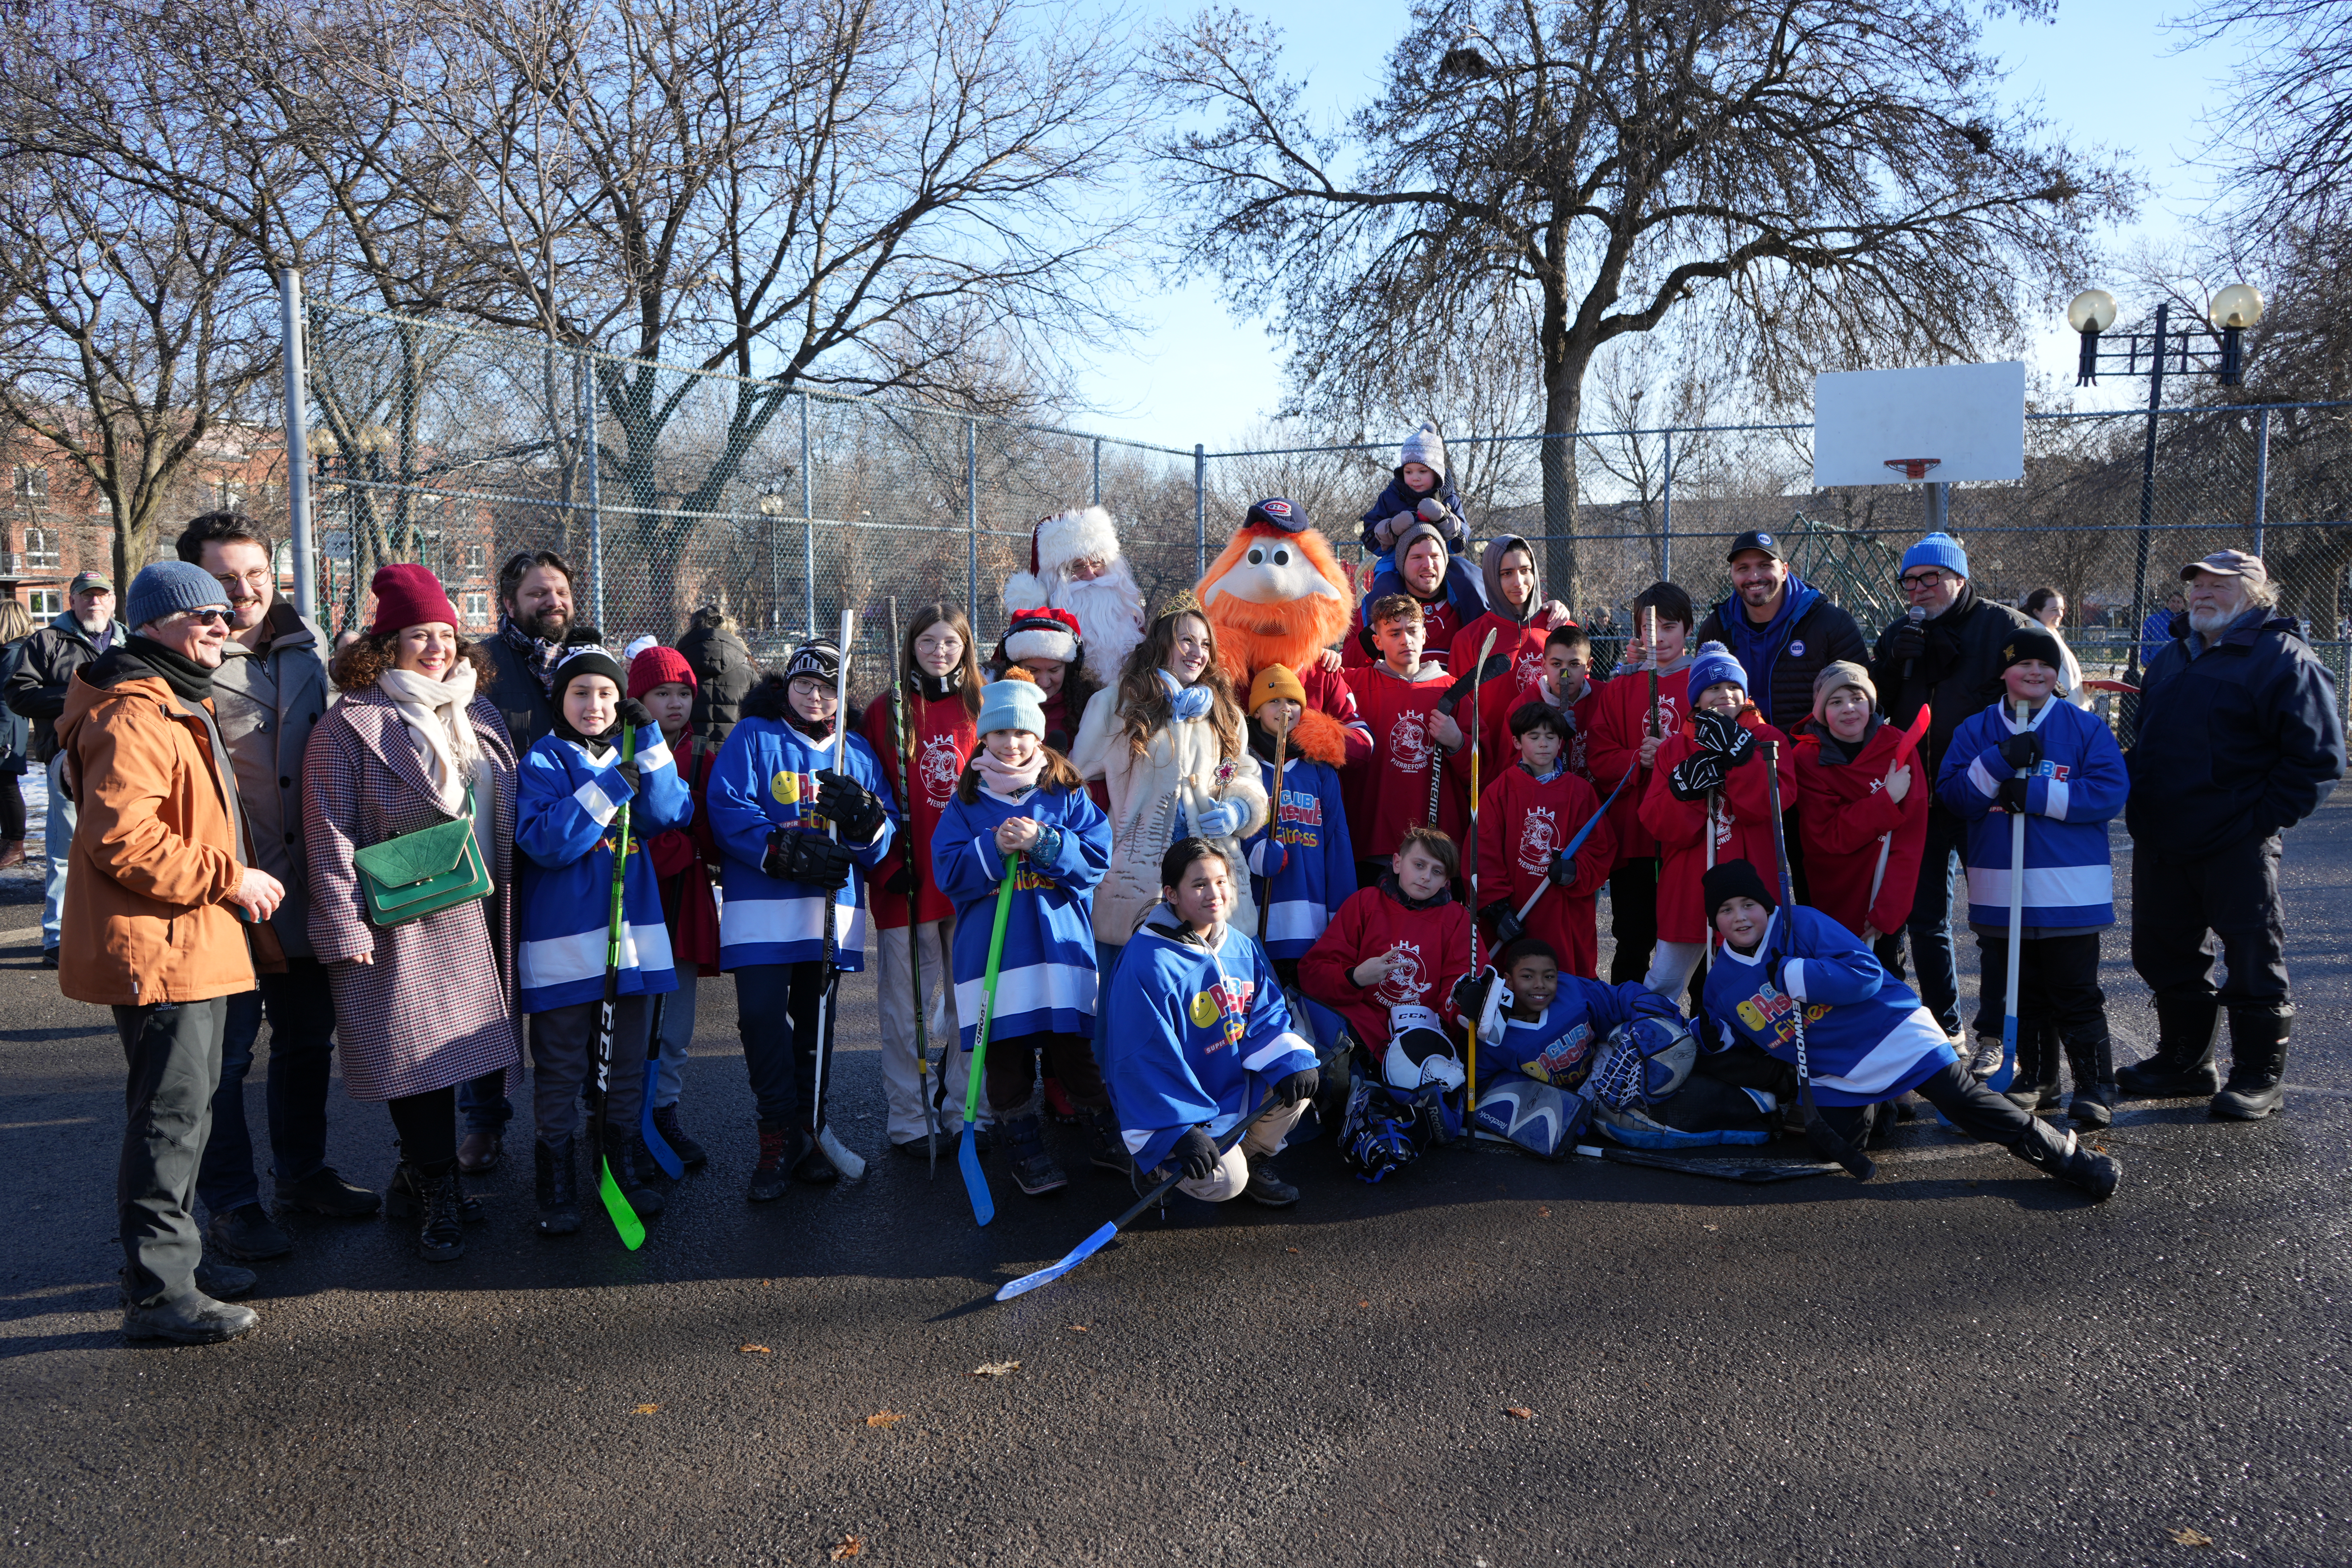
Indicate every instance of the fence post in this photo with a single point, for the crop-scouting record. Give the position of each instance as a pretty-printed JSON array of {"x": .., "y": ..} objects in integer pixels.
[
  {"x": 595, "y": 488},
  {"x": 2146, "y": 512},
  {"x": 2262, "y": 475},
  {"x": 1665, "y": 519},
  {"x": 1099, "y": 468},
  {"x": 972, "y": 516},
  {"x": 808, "y": 522},
  {"x": 1200, "y": 511},
  {"x": 295, "y": 372}
]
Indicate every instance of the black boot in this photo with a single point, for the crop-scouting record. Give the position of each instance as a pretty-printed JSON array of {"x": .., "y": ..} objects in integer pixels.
[
  {"x": 1024, "y": 1146},
  {"x": 1266, "y": 1183},
  {"x": 2061, "y": 1154},
  {"x": 559, "y": 1188},
  {"x": 2182, "y": 1067},
  {"x": 405, "y": 1197},
  {"x": 2034, "y": 1090},
  {"x": 767, "y": 1177},
  {"x": 689, "y": 1152},
  {"x": 2257, "y": 1063},
  {"x": 620, "y": 1143},
  {"x": 1105, "y": 1145},
  {"x": 2092, "y": 1056},
  {"x": 442, "y": 1237}
]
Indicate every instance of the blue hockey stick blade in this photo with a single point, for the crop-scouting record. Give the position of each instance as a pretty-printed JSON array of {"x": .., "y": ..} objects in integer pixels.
[
  {"x": 983, "y": 1207},
  {"x": 1046, "y": 1276},
  {"x": 2006, "y": 1073},
  {"x": 656, "y": 1144}
]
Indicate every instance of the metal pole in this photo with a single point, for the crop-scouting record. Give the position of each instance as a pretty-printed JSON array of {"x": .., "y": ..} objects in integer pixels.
[
  {"x": 2261, "y": 474},
  {"x": 296, "y": 373},
  {"x": 595, "y": 489},
  {"x": 971, "y": 515},
  {"x": 1098, "y": 470},
  {"x": 808, "y": 521},
  {"x": 1939, "y": 509},
  {"x": 1665, "y": 518},
  {"x": 1200, "y": 509},
  {"x": 2146, "y": 493}
]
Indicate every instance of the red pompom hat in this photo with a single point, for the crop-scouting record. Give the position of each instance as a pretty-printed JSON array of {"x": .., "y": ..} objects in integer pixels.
[
  {"x": 408, "y": 595},
  {"x": 657, "y": 666}
]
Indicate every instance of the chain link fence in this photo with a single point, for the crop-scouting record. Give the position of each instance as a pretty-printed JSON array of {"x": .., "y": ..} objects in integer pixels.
[{"x": 671, "y": 488}]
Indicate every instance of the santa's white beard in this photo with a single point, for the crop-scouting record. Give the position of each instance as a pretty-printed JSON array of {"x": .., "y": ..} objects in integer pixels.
[{"x": 1109, "y": 610}]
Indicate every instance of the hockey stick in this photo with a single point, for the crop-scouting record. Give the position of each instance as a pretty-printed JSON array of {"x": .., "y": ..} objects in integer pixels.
[
  {"x": 820, "y": 1131},
  {"x": 2007, "y": 1072},
  {"x": 656, "y": 1144},
  {"x": 1470, "y": 861},
  {"x": 983, "y": 1207},
  {"x": 1722, "y": 1170},
  {"x": 1903, "y": 753},
  {"x": 1822, "y": 1136},
  {"x": 1273, "y": 830},
  {"x": 1101, "y": 1237},
  {"x": 906, "y": 732},
  {"x": 625, "y": 1218}
]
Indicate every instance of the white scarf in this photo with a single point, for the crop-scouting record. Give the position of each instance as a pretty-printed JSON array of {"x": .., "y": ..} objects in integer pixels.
[{"x": 435, "y": 712}]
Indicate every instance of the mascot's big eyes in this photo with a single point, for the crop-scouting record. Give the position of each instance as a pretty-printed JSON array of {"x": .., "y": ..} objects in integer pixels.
[
  {"x": 1256, "y": 557},
  {"x": 1282, "y": 558}
]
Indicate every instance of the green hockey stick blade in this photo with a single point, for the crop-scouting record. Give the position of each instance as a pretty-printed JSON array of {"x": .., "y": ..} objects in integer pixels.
[{"x": 625, "y": 1218}]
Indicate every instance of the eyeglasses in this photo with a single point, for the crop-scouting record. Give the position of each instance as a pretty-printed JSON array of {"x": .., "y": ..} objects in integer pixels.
[
  {"x": 1919, "y": 580},
  {"x": 209, "y": 617}
]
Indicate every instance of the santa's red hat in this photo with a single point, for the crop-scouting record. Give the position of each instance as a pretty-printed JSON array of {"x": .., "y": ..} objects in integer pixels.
[
  {"x": 1041, "y": 634},
  {"x": 1081, "y": 533}
]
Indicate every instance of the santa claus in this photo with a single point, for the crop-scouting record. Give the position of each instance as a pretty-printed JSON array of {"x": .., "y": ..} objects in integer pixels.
[
  {"x": 1075, "y": 564},
  {"x": 1278, "y": 593}
]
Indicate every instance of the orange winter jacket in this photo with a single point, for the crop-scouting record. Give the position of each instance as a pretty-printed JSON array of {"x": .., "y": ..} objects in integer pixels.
[{"x": 154, "y": 852}]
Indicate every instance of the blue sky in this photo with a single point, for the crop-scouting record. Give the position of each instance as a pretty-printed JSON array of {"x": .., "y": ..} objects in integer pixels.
[{"x": 2105, "y": 69}]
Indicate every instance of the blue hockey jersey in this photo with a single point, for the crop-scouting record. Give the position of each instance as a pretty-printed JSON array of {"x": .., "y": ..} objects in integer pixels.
[
  {"x": 2078, "y": 786},
  {"x": 764, "y": 777},
  {"x": 566, "y": 808},
  {"x": 1867, "y": 1040},
  {"x": 1046, "y": 975},
  {"x": 1197, "y": 1035},
  {"x": 1560, "y": 1048},
  {"x": 1315, "y": 865}
]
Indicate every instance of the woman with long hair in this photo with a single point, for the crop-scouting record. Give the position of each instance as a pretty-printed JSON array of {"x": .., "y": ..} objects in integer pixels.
[
  {"x": 15, "y": 737},
  {"x": 2048, "y": 606}
]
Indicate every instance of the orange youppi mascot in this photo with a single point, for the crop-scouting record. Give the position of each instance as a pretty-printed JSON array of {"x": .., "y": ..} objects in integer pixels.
[{"x": 1277, "y": 595}]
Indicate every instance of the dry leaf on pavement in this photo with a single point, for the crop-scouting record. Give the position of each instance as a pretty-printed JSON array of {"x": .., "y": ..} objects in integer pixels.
[
  {"x": 885, "y": 1418},
  {"x": 1521, "y": 1411},
  {"x": 645, "y": 1409},
  {"x": 851, "y": 1545},
  {"x": 754, "y": 1350},
  {"x": 1077, "y": 1328},
  {"x": 995, "y": 1369},
  {"x": 2189, "y": 1535}
]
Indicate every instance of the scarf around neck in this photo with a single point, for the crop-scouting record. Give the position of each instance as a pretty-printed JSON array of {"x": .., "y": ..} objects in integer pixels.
[
  {"x": 139, "y": 656},
  {"x": 1185, "y": 701},
  {"x": 1003, "y": 777},
  {"x": 538, "y": 654},
  {"x": 435, "y": 712}
]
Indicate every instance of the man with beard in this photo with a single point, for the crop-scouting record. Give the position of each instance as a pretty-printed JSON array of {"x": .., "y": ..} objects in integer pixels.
[
  {"x": 534, "y": 613},
  {"x": 2239, "y": 741},
  {"x": 37, "y": 691},
  {"x": 1949, "y": 659},
  {"x": 1075, "y": 564}
]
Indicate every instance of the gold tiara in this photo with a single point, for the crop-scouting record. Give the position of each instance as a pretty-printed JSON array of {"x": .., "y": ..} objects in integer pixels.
[{"x": 1182, "y": 602}]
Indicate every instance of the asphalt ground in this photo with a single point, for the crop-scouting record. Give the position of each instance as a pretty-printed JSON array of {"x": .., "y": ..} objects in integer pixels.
[{"x": 1485, "y": 1360}]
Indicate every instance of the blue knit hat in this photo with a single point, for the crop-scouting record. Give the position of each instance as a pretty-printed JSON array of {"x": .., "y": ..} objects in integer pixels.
[
  {"x": 1713, "y": 666},
  {"x": 1012, "y": 704},
  {"x": 1939, "y": 550},
  {"x": 168, "y": 587}
]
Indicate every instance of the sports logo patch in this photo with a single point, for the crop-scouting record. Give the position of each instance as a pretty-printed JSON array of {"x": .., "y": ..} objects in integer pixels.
[
  {"x": 1538, "y": 837},
  {"x": 938, "y": 767},
  {"x": 786, "y": 788},
  {"x": 1404, "y": 983},
  {"x": 1409, "y": 743},
  {"x": 1276, "y": 507},
  {"x": 1796, "y": 650}
]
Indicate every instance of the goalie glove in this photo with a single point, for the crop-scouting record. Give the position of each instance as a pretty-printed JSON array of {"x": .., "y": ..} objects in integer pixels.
[{"x": 1481, "y": 998}]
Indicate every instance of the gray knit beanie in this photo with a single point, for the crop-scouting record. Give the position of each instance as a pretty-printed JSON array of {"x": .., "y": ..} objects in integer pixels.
[{"x": 168, "y": 587}]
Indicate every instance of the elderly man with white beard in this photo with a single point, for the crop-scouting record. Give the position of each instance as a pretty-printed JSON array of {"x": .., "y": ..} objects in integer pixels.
[
  {"x": 2239, "y": 741},
  {"x": 1075, "y": 564}
]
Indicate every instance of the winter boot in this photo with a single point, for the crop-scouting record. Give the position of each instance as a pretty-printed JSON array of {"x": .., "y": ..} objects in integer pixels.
[
  {"x": 2092, "y": 1056},
  {"x": 1266, "y": 1186},
  {"x": 432, "y": 1192},
  {"x": 1106, "y": 1144},
  {"x": 2061, "y": 1154},
  {"x": 1024, "y": 1146},
  {"x": 620, "y": 1156},
  {"x": 2257, "y": 1064},
  {"x": 2034, "y": 1090},
  {"x": 195, "y": 1319},
  {"x": 405, "y": 1197},
  {"x": 767, "y": 1177},
  {"x": 2182, "y": 1067},
  {"x": 559, "y": 1188},
  {"x": 689, "y": 1152}
]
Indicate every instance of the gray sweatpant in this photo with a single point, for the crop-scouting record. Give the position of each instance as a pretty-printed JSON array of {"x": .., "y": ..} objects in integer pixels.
[
  {"x": 562, "y": 1057},
  {"x": 173, "y": 1055}
]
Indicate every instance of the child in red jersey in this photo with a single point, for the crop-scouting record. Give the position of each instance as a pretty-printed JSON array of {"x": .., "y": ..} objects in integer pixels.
[
  {"x": 1526, "y": 819},
  {"x": 1399, "y": 697},
  {"x": 1861, "y": 810},
  {"x": 1626, "y": 731}
]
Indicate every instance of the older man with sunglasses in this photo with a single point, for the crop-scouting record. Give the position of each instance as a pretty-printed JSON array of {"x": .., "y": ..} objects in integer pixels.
[{"x": 1945, "y": 654}]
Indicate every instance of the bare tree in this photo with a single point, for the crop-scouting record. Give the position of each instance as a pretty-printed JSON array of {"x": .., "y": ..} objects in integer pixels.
[{"x": 1835, "y": 182}]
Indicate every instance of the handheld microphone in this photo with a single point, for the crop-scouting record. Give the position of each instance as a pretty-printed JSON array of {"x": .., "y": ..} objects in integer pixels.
[{"x": 1917, "y": 616}]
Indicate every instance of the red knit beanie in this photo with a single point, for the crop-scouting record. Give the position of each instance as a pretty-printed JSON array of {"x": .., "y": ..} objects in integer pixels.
[
  {"x": 658, "y": 666},
  {"x": 408, "y": 595}
]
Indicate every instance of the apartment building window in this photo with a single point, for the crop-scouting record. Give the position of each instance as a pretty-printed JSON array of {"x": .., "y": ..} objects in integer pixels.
[
  {"x": 32, "y": 482},
  {"x": 40, "y": 547},
  {"x": 477, "y": 559},
  {"x": 478, "y": 609},
  {"x": 46, "y": 602}
]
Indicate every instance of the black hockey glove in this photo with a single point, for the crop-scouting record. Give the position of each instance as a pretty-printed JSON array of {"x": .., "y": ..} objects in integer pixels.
[
  {"x": 807, "y": 858},
  {"x": 2022, "y": 750},
  {"x": 849, "y": 806},
  {"x": 1300, "y": 1085},
  {"x": 1469, "y": 994},
  {"x": 1562, "y": 870},
  {"x": 1196, "y": 1153},
  {"x": 1502, "y": 922},
  {"x": 901, "y": 883},
  {"x": 2011, "y": 796},
  {"x": 1694, "y": 775},
  {"x": 1726, "y": 736},
  {"x": 633, "y": 713}
]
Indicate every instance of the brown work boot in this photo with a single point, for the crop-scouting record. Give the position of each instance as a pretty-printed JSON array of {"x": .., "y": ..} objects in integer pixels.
[{"x": 480, "y": 1152}]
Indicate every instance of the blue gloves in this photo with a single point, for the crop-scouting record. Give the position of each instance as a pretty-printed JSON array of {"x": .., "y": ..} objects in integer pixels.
[{"x": 1221, "y": 820}]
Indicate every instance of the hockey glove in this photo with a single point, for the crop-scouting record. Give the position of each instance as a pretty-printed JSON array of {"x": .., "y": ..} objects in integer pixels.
[
  {"x": 849, "y": 806},
  {"x": 2010, "y": 795},
  {"x": 2022, "y": 750},
  {"x": 1300, "y": 1085},
  {"x": 901, "y": 883},
  {"x": 1694, "y": 775},
  {"x": 806, "y": 858},
  {"x": 1502, "y": 922},
  {"x": 1470, "y": 995},
  {"x": 633, "y": 713},
  {"x": 1196, "y": 1151},
  {"x": 1562, "y": 870},
  {"x": 1726, "y": 736}
]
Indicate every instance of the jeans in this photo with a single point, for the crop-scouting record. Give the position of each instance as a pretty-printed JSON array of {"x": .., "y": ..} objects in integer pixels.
[
  {"x": 776, "y": 1012},
  {"x": 676, "y": 1034},
  {"x": 174, "y": 1054},
  {"x": 485, "y": 1109},
  {"x": 301, "y": 1011},
  {"x": 1937, "y": 972},
  {"x": 57, "y": 844}
]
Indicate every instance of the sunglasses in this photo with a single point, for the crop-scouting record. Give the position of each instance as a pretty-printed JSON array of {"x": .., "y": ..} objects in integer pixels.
[{"x": 208, "y": 617}]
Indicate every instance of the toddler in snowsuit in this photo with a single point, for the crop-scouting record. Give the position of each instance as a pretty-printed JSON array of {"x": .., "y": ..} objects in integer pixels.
[
  {"x": 2059, "y": 769},
  {"x": 1526, "y": 819},
  {"x": 570, "y": 790},
  {"x": 1019, "y": 806},
  {"x": 795, "y": 896}
]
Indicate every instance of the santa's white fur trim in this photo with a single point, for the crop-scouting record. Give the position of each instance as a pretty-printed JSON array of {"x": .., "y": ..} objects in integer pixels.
[
  {"x": 1022, "y": 591},
  {"x": 1040, "y": 642},
  {"x": 1081, "y": 533}
]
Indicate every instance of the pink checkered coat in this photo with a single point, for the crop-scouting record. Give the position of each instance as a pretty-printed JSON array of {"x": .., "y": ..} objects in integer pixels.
[{"x": 437, "y": 1004}]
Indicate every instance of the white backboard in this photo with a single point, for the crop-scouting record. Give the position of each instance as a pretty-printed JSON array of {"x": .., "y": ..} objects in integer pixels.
[{"x": 1942, "y": 424}]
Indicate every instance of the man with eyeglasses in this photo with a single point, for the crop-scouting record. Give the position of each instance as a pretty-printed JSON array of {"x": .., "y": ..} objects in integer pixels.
[
  {"x": 37, "y": 691},
  {"x": 271, "y": 688},
  {"x": 1945, "y": 654}
]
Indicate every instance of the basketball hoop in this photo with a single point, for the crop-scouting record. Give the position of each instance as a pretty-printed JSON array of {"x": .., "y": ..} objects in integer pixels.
[{"x": 1913, "y": 467}]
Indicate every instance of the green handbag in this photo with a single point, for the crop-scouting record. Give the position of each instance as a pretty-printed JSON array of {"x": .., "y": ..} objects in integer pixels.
[{"x": 425, "y": 872}]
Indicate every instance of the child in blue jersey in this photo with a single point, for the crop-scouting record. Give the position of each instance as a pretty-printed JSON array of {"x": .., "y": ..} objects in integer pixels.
[
  {"x": 2061, "y": 770},
  {"x": 1305, "y": 858},
  {"x": 569, "y": 792},
  {"x": 1017, "y": 796},
  {"x": 1199, "y": 1038},
  {"x": 793, "y": 893},
  {"x": 1553, "y": 1030},
  {"x": 1867, "y": 1040}
]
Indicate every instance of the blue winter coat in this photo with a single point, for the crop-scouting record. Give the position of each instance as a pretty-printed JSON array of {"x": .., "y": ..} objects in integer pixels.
[
  {"x": 1395, "y": 498},
  {"x": 2243, "y": 740},
  {"x": 1867, "y": 1040},
  {"x": 1045, "y": 976},
  {"x": 1171, "y": 1061},
  {"x": 2076, "y": 789},
  {"x": 566, "y": 804},
  {"x": 763, "y": 777},
  {"x": 1314, "y": 863}
]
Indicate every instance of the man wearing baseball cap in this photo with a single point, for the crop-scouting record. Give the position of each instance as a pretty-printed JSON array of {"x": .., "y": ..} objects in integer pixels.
[
  {"x": 1783, "y": 632},
  {"x": 37, "y": 691},
  {"x": 2238, "y": 740}
]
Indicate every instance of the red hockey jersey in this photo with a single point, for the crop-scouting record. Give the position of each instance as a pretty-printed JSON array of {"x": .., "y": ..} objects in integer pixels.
[
  {"x": 1521, "y": 823},
  {"x": 1435, "y": 944},
  {"x": 944, "y": 738},
  {"x": 1438, "y": 625},
  {"x": 1844, "y": 815},
  {"x": 1389, "y": 791},
  {"x": 1614, "y": 747},
  {"x": 1743, "y": 825}
]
